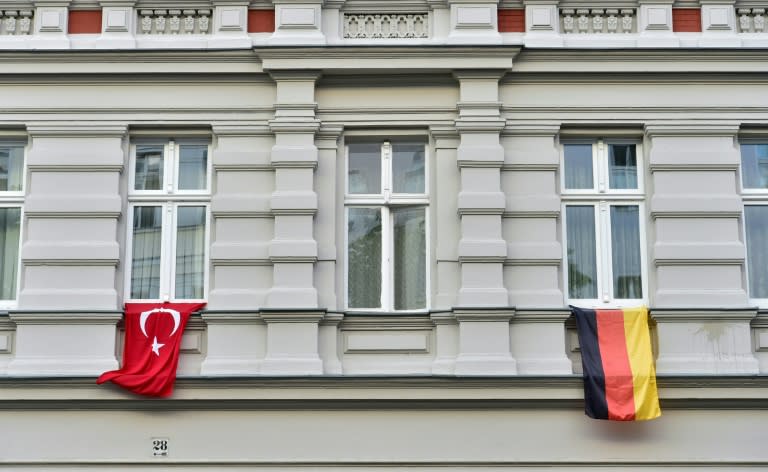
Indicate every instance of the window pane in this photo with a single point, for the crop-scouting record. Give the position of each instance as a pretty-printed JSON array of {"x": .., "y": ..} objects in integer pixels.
[
  {"x": 11, "y": 168},
  {"x": 193, "y": 167},
  {"x": 364, "y": 173},
  {"x": 754, "y": 165},
  {"x": 622, "y": 166},
  {"x": 149, "y": 168},
  {"x": 190, "y": 252},
  {"x": 756, "y": 223},
  {"x": 408, "y": 168},
  {"x": 147, "y": 239},
  {"x": 410, "y": 259},
  {"x": 582, "y": 255},
  {"x": 578, "y": 166},
  {"x": 10, "y": 223},
  {"x": 625, "y": 251},
  {"x": 364, "y": 258}
]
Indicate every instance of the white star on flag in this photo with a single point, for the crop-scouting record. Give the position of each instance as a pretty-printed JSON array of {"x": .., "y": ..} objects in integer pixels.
[{"x": 156, "y": 347}]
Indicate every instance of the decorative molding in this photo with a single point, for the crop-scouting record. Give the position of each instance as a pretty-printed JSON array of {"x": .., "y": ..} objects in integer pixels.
[
  {"x": 598, "y": 20},
  {"x": 386, "y": 25},
  {"x": 16, "y": 22},
  {"x": 48, "y": 317},
  {"x": 703, "y": 314}
]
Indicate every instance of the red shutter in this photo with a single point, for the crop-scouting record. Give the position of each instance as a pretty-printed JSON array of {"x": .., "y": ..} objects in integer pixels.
[
  {"x": 261, "y": 21},
  {"x": 686, "y": 20},
  {"x": 512, "y": 21},
  {"x": 84, "y": 22}
]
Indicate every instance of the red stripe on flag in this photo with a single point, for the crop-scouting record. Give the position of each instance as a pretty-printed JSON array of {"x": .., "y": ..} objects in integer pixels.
[{"x": 619, "y": 386}]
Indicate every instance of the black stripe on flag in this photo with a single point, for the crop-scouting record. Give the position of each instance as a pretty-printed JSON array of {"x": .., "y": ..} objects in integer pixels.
[{"x": 595, "y": 405}]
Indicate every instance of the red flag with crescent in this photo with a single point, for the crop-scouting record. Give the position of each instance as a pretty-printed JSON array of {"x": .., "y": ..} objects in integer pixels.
[{"x": 151, "y": 353}]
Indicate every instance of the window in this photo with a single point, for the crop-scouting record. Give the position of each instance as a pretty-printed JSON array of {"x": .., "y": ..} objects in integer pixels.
[
  {"x": 168, "y": 234},
  {"x": 602, "y": 189},
  {"x": 11, "y": 199},
  {"x": 754, "y": 182},
  {"x": 386, "y": 206}
]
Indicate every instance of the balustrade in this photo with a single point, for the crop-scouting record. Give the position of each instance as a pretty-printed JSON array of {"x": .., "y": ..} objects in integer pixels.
[
  {"x": 598, "y": 20},
  {"x": 15, "y": 22},
  {"x": 386, "y": 25},
  {"x": 181, "y": 21},
  {"x": 751, "y": 20}
]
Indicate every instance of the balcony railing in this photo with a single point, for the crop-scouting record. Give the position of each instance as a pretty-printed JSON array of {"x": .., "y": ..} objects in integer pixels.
[
  {"x": 15, "y": 22},
  {"x": 386, "y": 25},
  {"x": 598, "y": 20},
  {"x": 751, "y": 20},
  {"x": 173, "y": 21}
]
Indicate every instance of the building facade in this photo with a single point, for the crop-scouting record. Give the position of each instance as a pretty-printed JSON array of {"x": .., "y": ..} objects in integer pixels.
[{"x": 388, "y": 208}]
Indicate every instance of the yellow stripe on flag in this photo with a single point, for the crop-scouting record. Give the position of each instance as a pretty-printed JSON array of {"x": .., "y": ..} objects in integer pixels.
[{"x": 641, "y": 361}]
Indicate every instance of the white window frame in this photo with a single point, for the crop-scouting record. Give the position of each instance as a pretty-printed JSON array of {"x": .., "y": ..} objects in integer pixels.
[
  {"x": 169, "y": 198},
  {"x": 602, "y": 198},
  {"x": 386, "y": 201},
  {"x": 751, "y": 196},
  {"x": 15, "y": 199}
]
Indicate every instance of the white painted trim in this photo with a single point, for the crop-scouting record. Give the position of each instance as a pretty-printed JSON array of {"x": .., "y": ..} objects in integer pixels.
[{"x": 386, "y": 201}]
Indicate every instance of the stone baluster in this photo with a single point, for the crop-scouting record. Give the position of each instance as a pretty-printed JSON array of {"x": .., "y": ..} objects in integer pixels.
[
  {"x": 189, "y": 21},
  {"x": 160, "y": 21},
  {"x": 146, "y": 21},
  {"x": 626, "y": 20},
  {"x": 568, "y": 21},
  {"x": 583, "y": 20},
  {"x": 759, "y": 20},
  {"x": 174, "y": 21},
  {"x": 204, "y": 21},
  {"x": 612, "y": 21},
  {"x": 597, "y": 20}
]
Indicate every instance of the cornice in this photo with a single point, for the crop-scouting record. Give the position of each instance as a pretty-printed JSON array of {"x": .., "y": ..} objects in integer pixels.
[
  {"x": 361, "y": 392},
  {"x": 701, "y": 314},
  {"x": 45, "y": 317}
]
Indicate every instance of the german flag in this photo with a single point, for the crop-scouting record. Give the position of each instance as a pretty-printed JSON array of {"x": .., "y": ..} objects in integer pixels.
[{"x": 619, "y": 373}]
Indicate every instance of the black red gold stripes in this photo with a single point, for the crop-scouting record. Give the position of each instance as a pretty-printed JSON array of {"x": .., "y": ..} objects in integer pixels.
[{"x": 619, "y": 373}]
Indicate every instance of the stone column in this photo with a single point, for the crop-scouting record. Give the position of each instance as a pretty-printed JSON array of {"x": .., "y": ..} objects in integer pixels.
[{"x": 68, "y": 303}]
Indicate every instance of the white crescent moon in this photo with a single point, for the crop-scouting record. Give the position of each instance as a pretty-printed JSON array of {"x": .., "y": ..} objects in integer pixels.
[{"x": 144, "y": 315}]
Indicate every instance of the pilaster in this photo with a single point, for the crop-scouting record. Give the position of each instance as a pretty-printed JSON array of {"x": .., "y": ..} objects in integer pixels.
[
  {"x": 538, "y": 342},
  {"x": 236, "y": 343},
  {"x": 64, "y": 343},
  {"x": 118, "y": 26},
  {"x": 70, "y": 251},
  {"x": 230, "y": 24},
  {"x": 530, "y": 221},
  {"x": 474, "y": 21},
  {"x": 542, "y": 23},
  {"x": 293, "y": 250},
  {"x": 655, "y": 24},
  {"x": 241, "y": 271},
  {"x": 698, "y": 255},
  {"x": 51, "y": 19},
  {"x": 446, "y": 142},
  {"x": 329, "y": 343},
  {"x": 292, "y": 342},
  {"x": 327, "y": 142},
  {"x": 718, "y": 18},
  {"x": 481, "y": 203},
  {"x": 298, "y": 22},
  {"x": 484, "y": 342},
  {"x": 705, "y": 341},
  {"x": 446, "y": 342}
]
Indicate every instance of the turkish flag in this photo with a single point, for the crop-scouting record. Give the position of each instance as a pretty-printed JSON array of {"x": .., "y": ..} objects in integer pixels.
[{"x": 152, "y": 341}]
